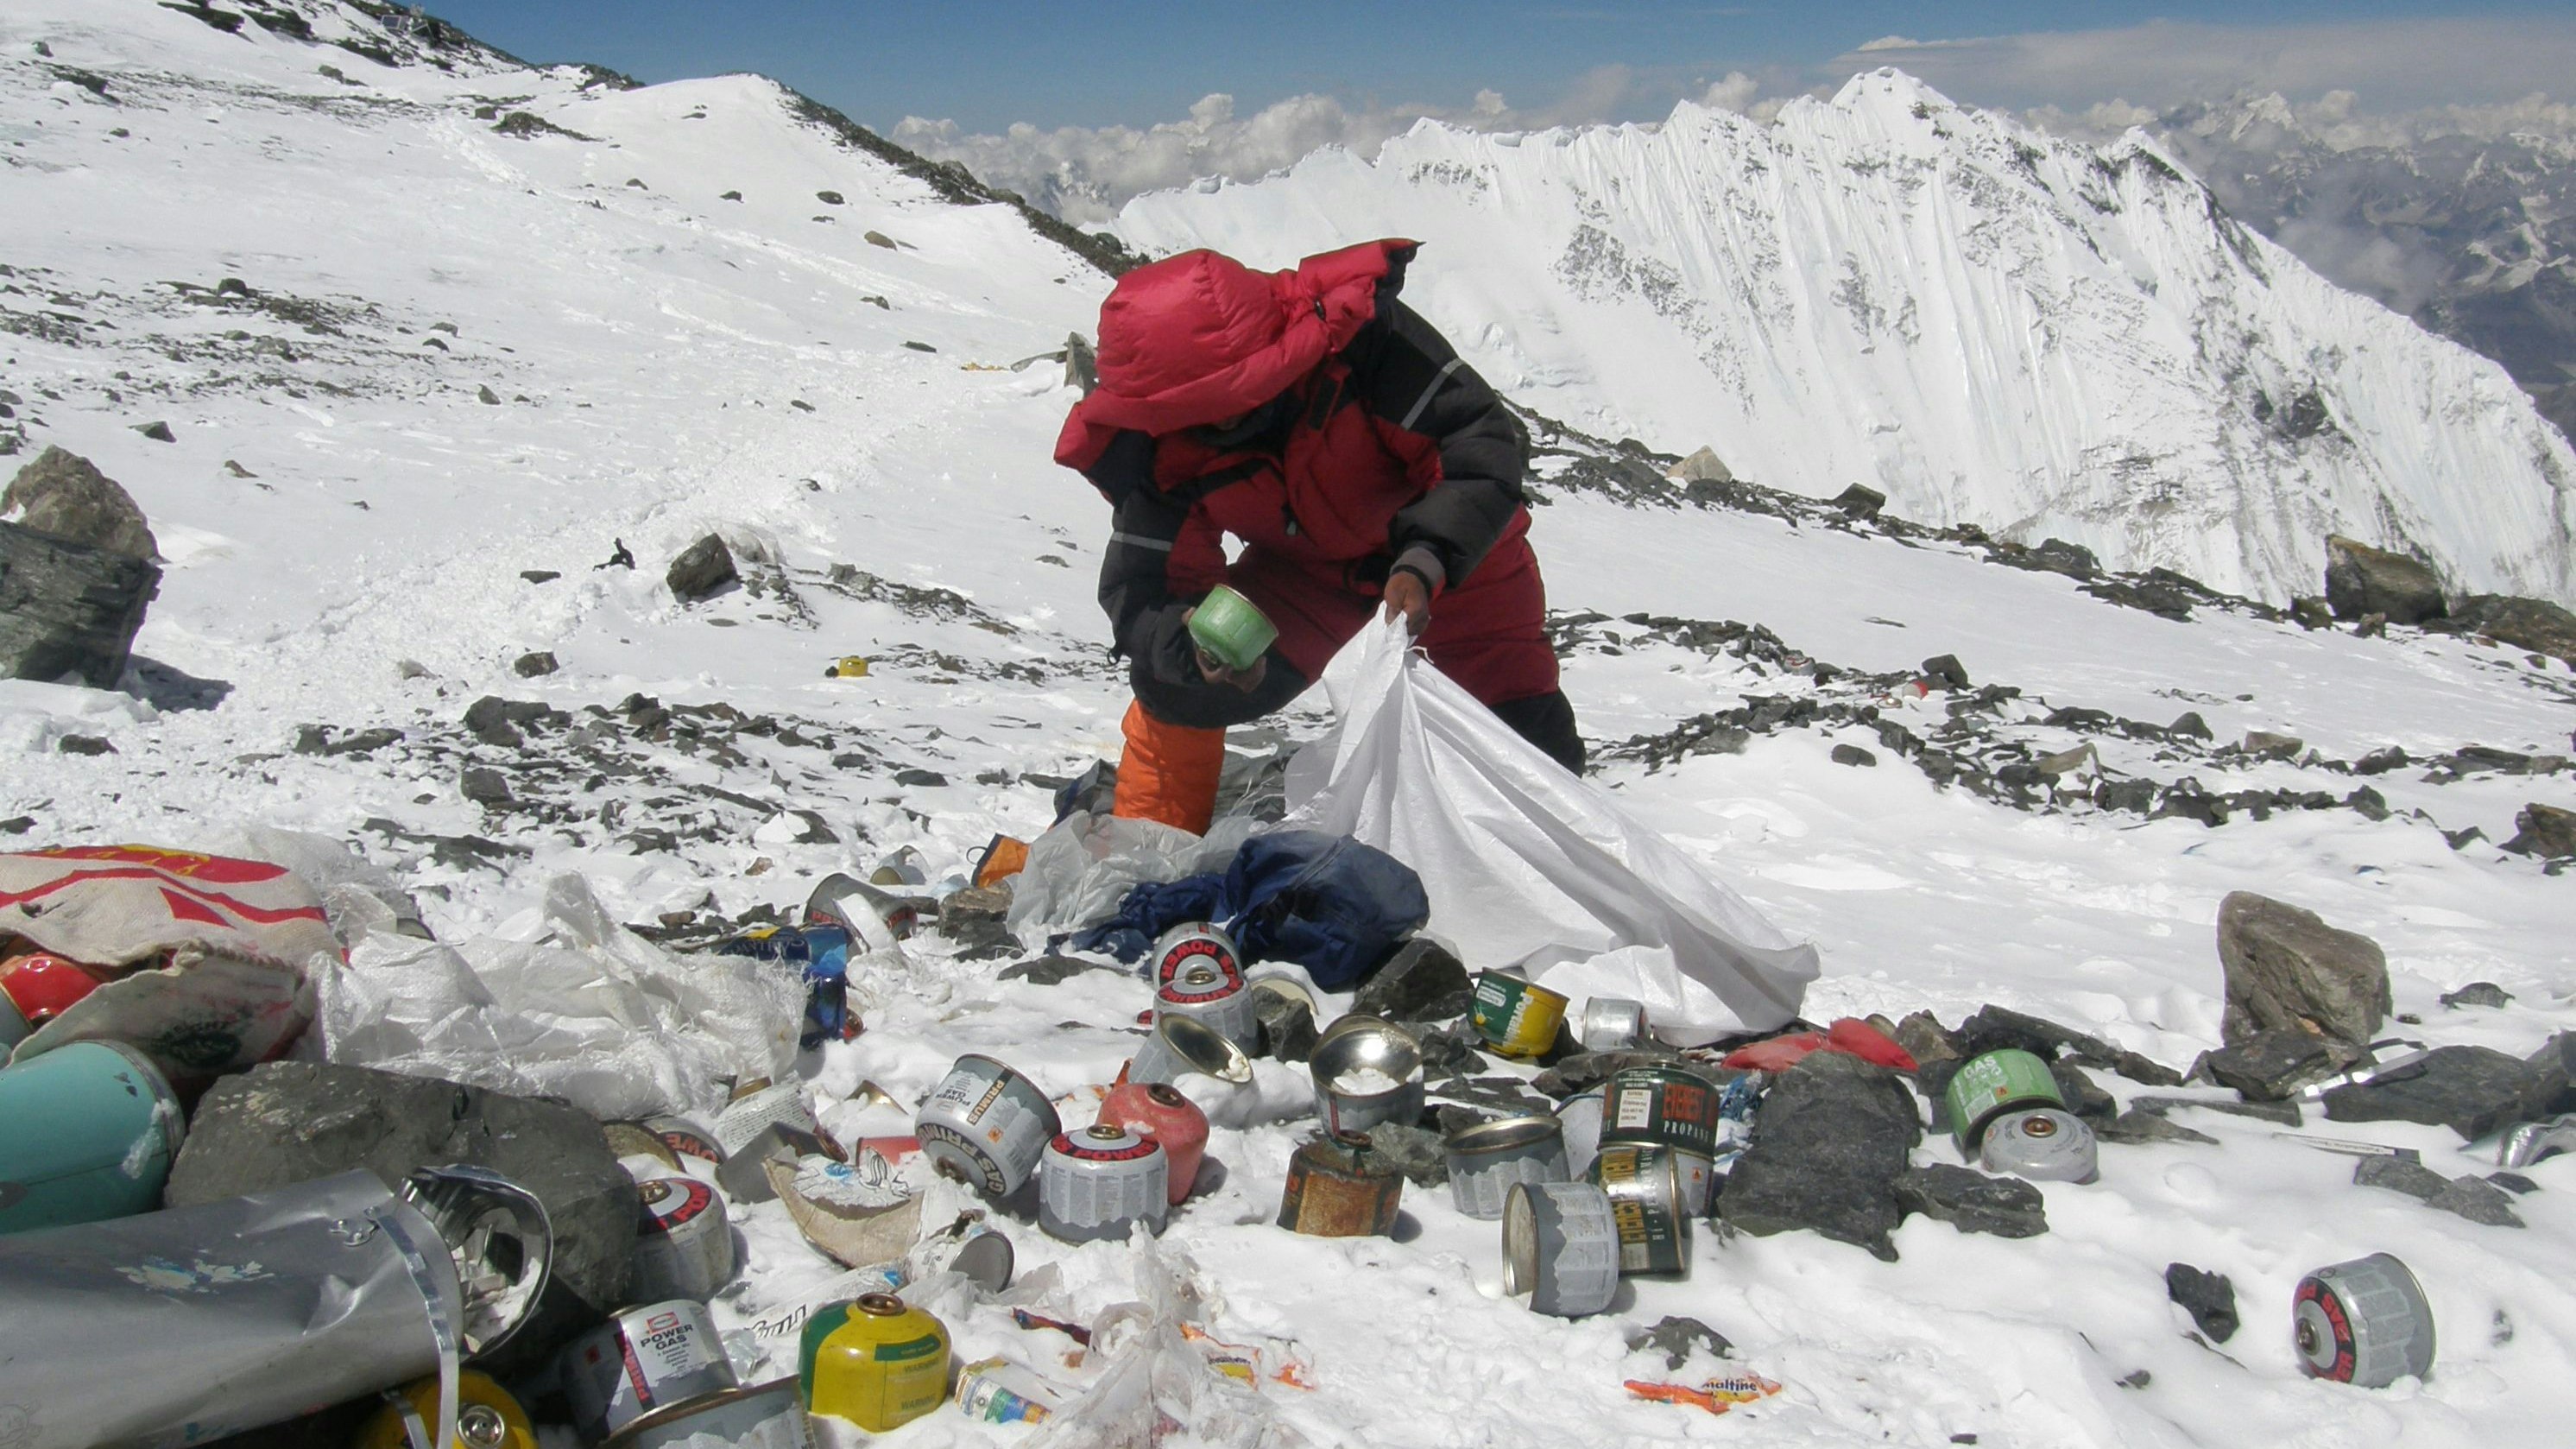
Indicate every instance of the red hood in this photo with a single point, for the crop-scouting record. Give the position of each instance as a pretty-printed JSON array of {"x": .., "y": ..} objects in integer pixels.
[{"x": 1200, "y": 337}]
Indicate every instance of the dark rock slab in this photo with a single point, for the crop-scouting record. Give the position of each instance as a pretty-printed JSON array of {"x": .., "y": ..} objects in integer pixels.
[
  {"x": 2271, "y": 1066},
  {"x": 1587, "y": 1070},
  {"x": 2554, "y": 1075},
  {"x": 2543, "y": 830},
  {"x": 2398, "y": 1175},
  {"x": 2083, "y": 1098},
  {"x": 1675, "y": 1337},
  {"x": 2285, "y": 1114},
  {"x": 68, "y": 608},
  {"x": 1946, "y": 669},
  {"x": 2534, "y": 624},
  {"x": 1830, "y": 1139},
  {"x": 1853, "y": 755},
  {"x": 1422, "y": 1156},
  {"x": 1925, "y": 1039},
  {"x": 2209, "y": 1297},
  {"x": 2478, "y": 1200},
  {"x": 2135, "y": 1128},
  {"x": 2471, "y": 1090},
  {"x": 1287, "y": 1028},
  {"x": 1050, "y": 970},
  {"x": 1972, "y": 1202},
  {"x": 2362, "y": 581},
  {"x": 485, "y": 786},
  {"x": 488, "y": 720},
  {"x": 701, "y": 569},
  {"x": 1994, "y": 1027},
  {"x": 2286, "y": 967},
  {"x": 2477, "y": 993},
  {"x": 535, "y": 663},
  {"x": 1422, "y": 981}
]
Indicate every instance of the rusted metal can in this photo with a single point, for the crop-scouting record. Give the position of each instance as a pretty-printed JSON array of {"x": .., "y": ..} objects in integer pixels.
[
  {"x": 1485, "y": 1160},
  {"x": 2365, "y": 1322},
  {"x": 642, "y": 1360},
  {"x": 1646, "y": 1204},
  {"x": 1194, "y": 943},
  {"x": 1611, "y": 1023},
  {"x": 1340, "y": 1189},
  {"x": 1179, "y": 1045},
  {"x": 768, "y": 1416},
  {"x": 1516, "y": 1016},
  {"x": 1100, "y": 1182},
  {"x": 1162, "y": 1113},
  {"x": 1366, "y": 1071},
  {"x": 683, "y": 1244},
  {"x": 1661, "y": 1107},
  {"x": 1561, "y": 1247},
  {"x": 1215, "y": 998},
  {"x": 988, "y": 1124},
  {"x": 1579, "y": 1118}
]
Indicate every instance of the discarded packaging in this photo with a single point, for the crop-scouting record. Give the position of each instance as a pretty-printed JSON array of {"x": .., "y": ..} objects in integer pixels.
[
  {"x": 499, "y": 1242},
  {"x": 1101, "y": 1182},
  {"x": 2044, "y": 1146},
  {"x": 1179, "y": 1045},
  {"x": 874, "y": 1362},
  {"x": 873, "y": 916},
  {"x": 744, "y": 1175},
  {"x": 1366, "y": 1071},
  {"x": 640, "y": 1361},
  {"x": 1516, "y": 1016},
  {"x": 87, "y": 1132},
  {"x": 1717, "y": 1395},
  {"x": 850, "y": 1219},
  {"x": 998, "y": 1391},
  {"x": 1579, "y": 1119},
  {"x": 1673, "y": 1109},
  {"x": 2365, "y": 1322},
  {"x": 848, "y": 666},
  {"x": 693, "y": 1147},
  {"x": 768, "y": 1416},
  {"x": 973, "y": 1249},
  {"x": 1338, "y": 1188},
  {"x": 487, "y": 1417},
  {"x": 1197, "y": 975},
  {"x": 1560, "y": 1246},
  {"x": 748, "y": 1115},
  {"x": 1992, "y": 1084},
  {"x": 37, "y": 987},
  {"x": 1487, "y": 1159},
  {"x": 1003, "y": 857},
  {"x": 987, "y": 1124},
  {"x": 1231, "y": 628}
]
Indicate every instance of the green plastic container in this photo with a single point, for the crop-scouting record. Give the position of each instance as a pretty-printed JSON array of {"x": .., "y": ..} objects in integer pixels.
[
  {"x": 87, "y": 1132},
  {"x": 1232, "y": 628},
  {"x": 1992, "y": 1084}
]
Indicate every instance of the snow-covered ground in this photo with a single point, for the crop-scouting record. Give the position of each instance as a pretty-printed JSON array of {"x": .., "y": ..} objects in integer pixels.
[{"x": 648, "y": 345}]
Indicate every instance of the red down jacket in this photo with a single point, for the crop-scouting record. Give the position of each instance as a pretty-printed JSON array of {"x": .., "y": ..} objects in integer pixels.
[{"x": 1364, "y": 440}]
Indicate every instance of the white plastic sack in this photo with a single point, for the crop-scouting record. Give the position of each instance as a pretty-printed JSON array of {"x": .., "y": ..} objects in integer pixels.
[
  {"x": 589, "y": 1012},
  {"x": 1084, "y": 865},
  {"x": 1526, "y": 864}
]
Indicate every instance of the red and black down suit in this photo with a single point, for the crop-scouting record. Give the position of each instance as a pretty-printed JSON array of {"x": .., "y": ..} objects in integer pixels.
[{"x": 1329, "y": 429}]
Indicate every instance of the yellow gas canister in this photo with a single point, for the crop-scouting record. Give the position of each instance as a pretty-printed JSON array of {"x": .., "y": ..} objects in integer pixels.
[
  {"x": 486, "y": 1417},
  {"x": 875, "y": 1361}
]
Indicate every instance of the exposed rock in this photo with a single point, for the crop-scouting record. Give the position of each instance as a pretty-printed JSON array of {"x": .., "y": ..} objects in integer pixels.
[
  {"x": 880, "y": 239},
  {"x": 2311, "y": 612},
  {"x": 533, "y": 664},
  {"x": 829, "y": 198},
  {"x": 64, "y": 497},
  {"x": 539, "y": 576},
  {"x": 2271, "y": 1066},
  {"x": 1853, "y": 755},
  {"x": 2361, "y": 581},
  {"x": 484, "y": 394},
  {"x": 1972, "y": 1202},
  {"x": 2083, "y": 1098},
  {"x": 1454, "y": 1048},
  {"x": 1081, "y": 363},
  {"x": 1050, "y": 970},
  {"x": 1860, "y": 501},
  {"x": 1998, "y": 1026},
  {"x": 488, "y": 720},
  {"x": 1946, "y": 669},
  {"x": 701, "y": 569},
  {"x": 2477, "y": 993},
  {"x": 84, "y": 745},
  {"x": 2398, "y": 1175},
  {"x": 2265, "y": 745},
  {"x": 2287, "y": 1114},
  {"x": 1830, "y": 1139},
  {"x": 2209, "y": 1297},
  {"x": 1925, "y": 1039},
  {"x": 1703, "y": 466},
  {"x": 2553, "y": 1069},
  {"x": 2136, "y": 1128},
  {"x": 1675, "y": 1337},
  {"x": 69, "y": 609},
  {"x": 314, "y": 739},
  {"x": 2380, "y": 761},
  {"x": 2287, "y": 968},
  {"x": 157, "y": 431},
  {"x": 1287, "y": 1028},
  {"x": 1422, "y": 981},
  {"x": 2543, "y": 830},
  {"x": 2534, "y": 624},
  {"x": 2514, "y": 1182},
  {"x": 1422, "y": 1156},
  {"x": 2478, "y": 1200},
  {"x": 2470, "y": 1089},
  {"x": 920, "y": 779},
  {"x": 282, "y": 1123},
  {"x": 2188, "y": 725},
  {"x": 1587, "y": 1070},
  {"x": 485, "y": 786}
]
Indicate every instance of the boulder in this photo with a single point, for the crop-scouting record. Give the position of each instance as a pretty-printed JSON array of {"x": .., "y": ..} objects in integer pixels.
[
  {"x": 64, "y": 497},
  {"x": 2477, "y": 993},
  {"x": 1422, "y": 1156},
  {"x": 701, "y": 569},
  {"x": 2470, "y": 1089},
  {"x": 67, "y": 609},
  {"x": 1287, "y": 1027},
  {"x": 1972, "y": 1202},
  {"x": 1946, "y": 669},
  {"x": 282, "y": 1123},
  {"x": 2287, "y": 968},
  {"x": 1422, "y": 981},
  {"x": 535, "y": 663},
  {"x": 1703, "y": 466},
  {"x": 2543, "y": 830},
  {"x": 2533, "y": 624},
  {"x": 1998, "y": 1026},
  {"x": 2362, "y": 581},
  {"x": 2271, "y": 1066},
  {"x": 1829, "y": 1141},
  {"x": 2478, "y": 1200},
  {"x": 1860, "y": 501},
  {"x": 2209, "y": 1297}
]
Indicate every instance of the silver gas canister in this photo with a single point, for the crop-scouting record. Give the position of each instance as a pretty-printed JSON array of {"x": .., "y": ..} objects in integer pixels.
[
  {"x": 643, "y": 1361},
  {"x": 1611, "y": 1024},
  {"x": 96, "y": 1319},
  {"x": 987, "y": 1124},
  {"x": 1179, "y": 1045},
  {"x": 683, "y": 1244},
  {"x": 1193, "y": 943},
  {"x": 2044, "y": 1146},
  {"x": 1579, "y": 1118},
  {"x": 1203, "y": 991},
  {"x": 770, "y": 1416},
  {"x": 1486, "y": 1159},
  {"x": 1561, "y": 1247},
  {"x": 1101, "y": 1181},
  {"x": 2365, "y": 1322}
]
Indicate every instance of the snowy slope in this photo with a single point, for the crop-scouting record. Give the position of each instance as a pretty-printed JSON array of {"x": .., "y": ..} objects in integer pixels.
[
  {"x": 647, "y": 346},
  {"x": 1987, "y": 325}
]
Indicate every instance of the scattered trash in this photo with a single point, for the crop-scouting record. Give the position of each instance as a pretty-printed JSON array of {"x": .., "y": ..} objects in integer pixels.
[
  {"x": 86, "y": 1133},
  {"x": 1850, "y": 1035},
  {"x": 767, "y": 1416},
  {"x": 1001, "y": 858},
  {"x": 1231, "y": 629},
  {"x": 1515, "y": 1015},
  {"x": 1159, "y": 1112},
  {"x": 1647, "y": 1203},
  {"x": 1101, "y": 1182},
  {"x": 1579, "y": 1119},
  {"x": 2529, "y": 1142},
  {"x": 998, "y": 1391},
  {"x": 968, "y": 1247},
  {"x": 643, "y": 1360},
  {"x": 1561, "y": 1247},
  {"x": 1993, "y": 1084},
  {"x": 2044, "y": 1146},
  {"x": 487, "y": 1417},
  {"x": 1366, "y": 1072},
  {"x": 1672, "y": 1109},
  {"x": 2364, "y": 1323},
  {"x": 1486, "y": 1160},
  {"x": 1611, "y": 1024},
  {"x": 848, "y": 666},
  {"x": 1717, "y": 1395},
  {"x": 987, "y": 1124},
  {"x": 1197, "y": 976},
  {"x": 854, "y": 1213},
  {"x": 1177, "y": 1045},
  {"x": 1338, "y": 1188},
  {"x": 683, "y": 1242},
  {"x": 874, "y": 1362}
]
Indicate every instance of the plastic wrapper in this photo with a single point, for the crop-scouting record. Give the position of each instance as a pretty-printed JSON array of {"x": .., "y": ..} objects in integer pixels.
[
  {"x": 1080, "y": 870},
  {"x": 1155, "y": 1384}
]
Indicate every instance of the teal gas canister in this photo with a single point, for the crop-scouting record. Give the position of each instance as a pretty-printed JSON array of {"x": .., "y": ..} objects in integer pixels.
[{"x": 87, "y": 1132}]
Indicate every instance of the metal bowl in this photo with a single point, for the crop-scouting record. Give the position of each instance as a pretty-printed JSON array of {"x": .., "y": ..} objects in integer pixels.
[{"x": 1361, "y": 1043}]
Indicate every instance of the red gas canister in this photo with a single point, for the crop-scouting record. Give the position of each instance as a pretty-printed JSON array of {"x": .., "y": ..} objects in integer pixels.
[
  {"x": 42, "y": 987},
  {"x": 1156, "y": 1110}
]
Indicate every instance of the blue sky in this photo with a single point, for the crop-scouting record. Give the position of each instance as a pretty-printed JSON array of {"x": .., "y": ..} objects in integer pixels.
[{"x": 1054, "y": 64}]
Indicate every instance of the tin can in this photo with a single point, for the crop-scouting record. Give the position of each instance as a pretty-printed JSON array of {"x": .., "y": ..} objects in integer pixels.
[
  {"x": 987, "y": 1124},
  {"x": 1991, "y": 1085},
  {"x": 1611, "y": 1023},
  {"x": 1100, "y": 1182},
  {"x": 1162, "y": 1113},
  {"x": 873, "y": 916},
  {"x": 2365, "y": 1322},
  {"x": 91, "y": 1314},
  {"x": 873, "y": 1361},
  {"x": 1340, "y": 1189},
  {"x": 998, "y": 1391},
  {"x": 1579, "y": 1118},
  {"x": 1194, "y": 943},
  {"x": 1209, "y": 991},
  {"x": 768, "y": 1416},
  {"x": 1485, "y": 1160},
  {"x": 1179, "y": 1045},
  {"x": 1661, "y": 1107},
  {"x": 87, "y": 1132},
  {"x": 1517, "y": 1016},
  {"x": 633, "y": 1143},
  {"x": 976, "y": 1250},
  {"x": 487, "y": 1417},
  {"x": 1365, "y": 1072},
  {"x": 693, "y": 1147},
  {"x": 1698, "y": 1177},
  {"x": 683, "y": 1245},
  {"x": 1231, "y": 628},
  {"x": 640, "y": 1361},
  {"x": 2044, "y": 1146},
  {"x": 1561, "y": 1247},
  {"x": 1645, "y": 1194}
]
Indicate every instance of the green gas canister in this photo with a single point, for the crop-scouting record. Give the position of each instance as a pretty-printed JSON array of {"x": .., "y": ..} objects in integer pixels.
[
  {"x": 87, "y": 1133},
  {"x": 1231, "y": 628}
]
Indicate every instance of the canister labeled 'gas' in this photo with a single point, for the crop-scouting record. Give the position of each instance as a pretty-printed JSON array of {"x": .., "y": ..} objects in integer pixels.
[
  {"x": 1516, "y": 1016},
  {"x": 2365, "y": 1322},
  {"x": 873, "y": 1361},
  {"x": 642, "y": 1360},
  {"x": 87, "y": 1133},
  {"x": 1162, "y": 1113},
  {"x": 1990, "y": 1085},
  {"x": 987, "y": 1124},
  {"x": 1101, "y": 1182}
]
